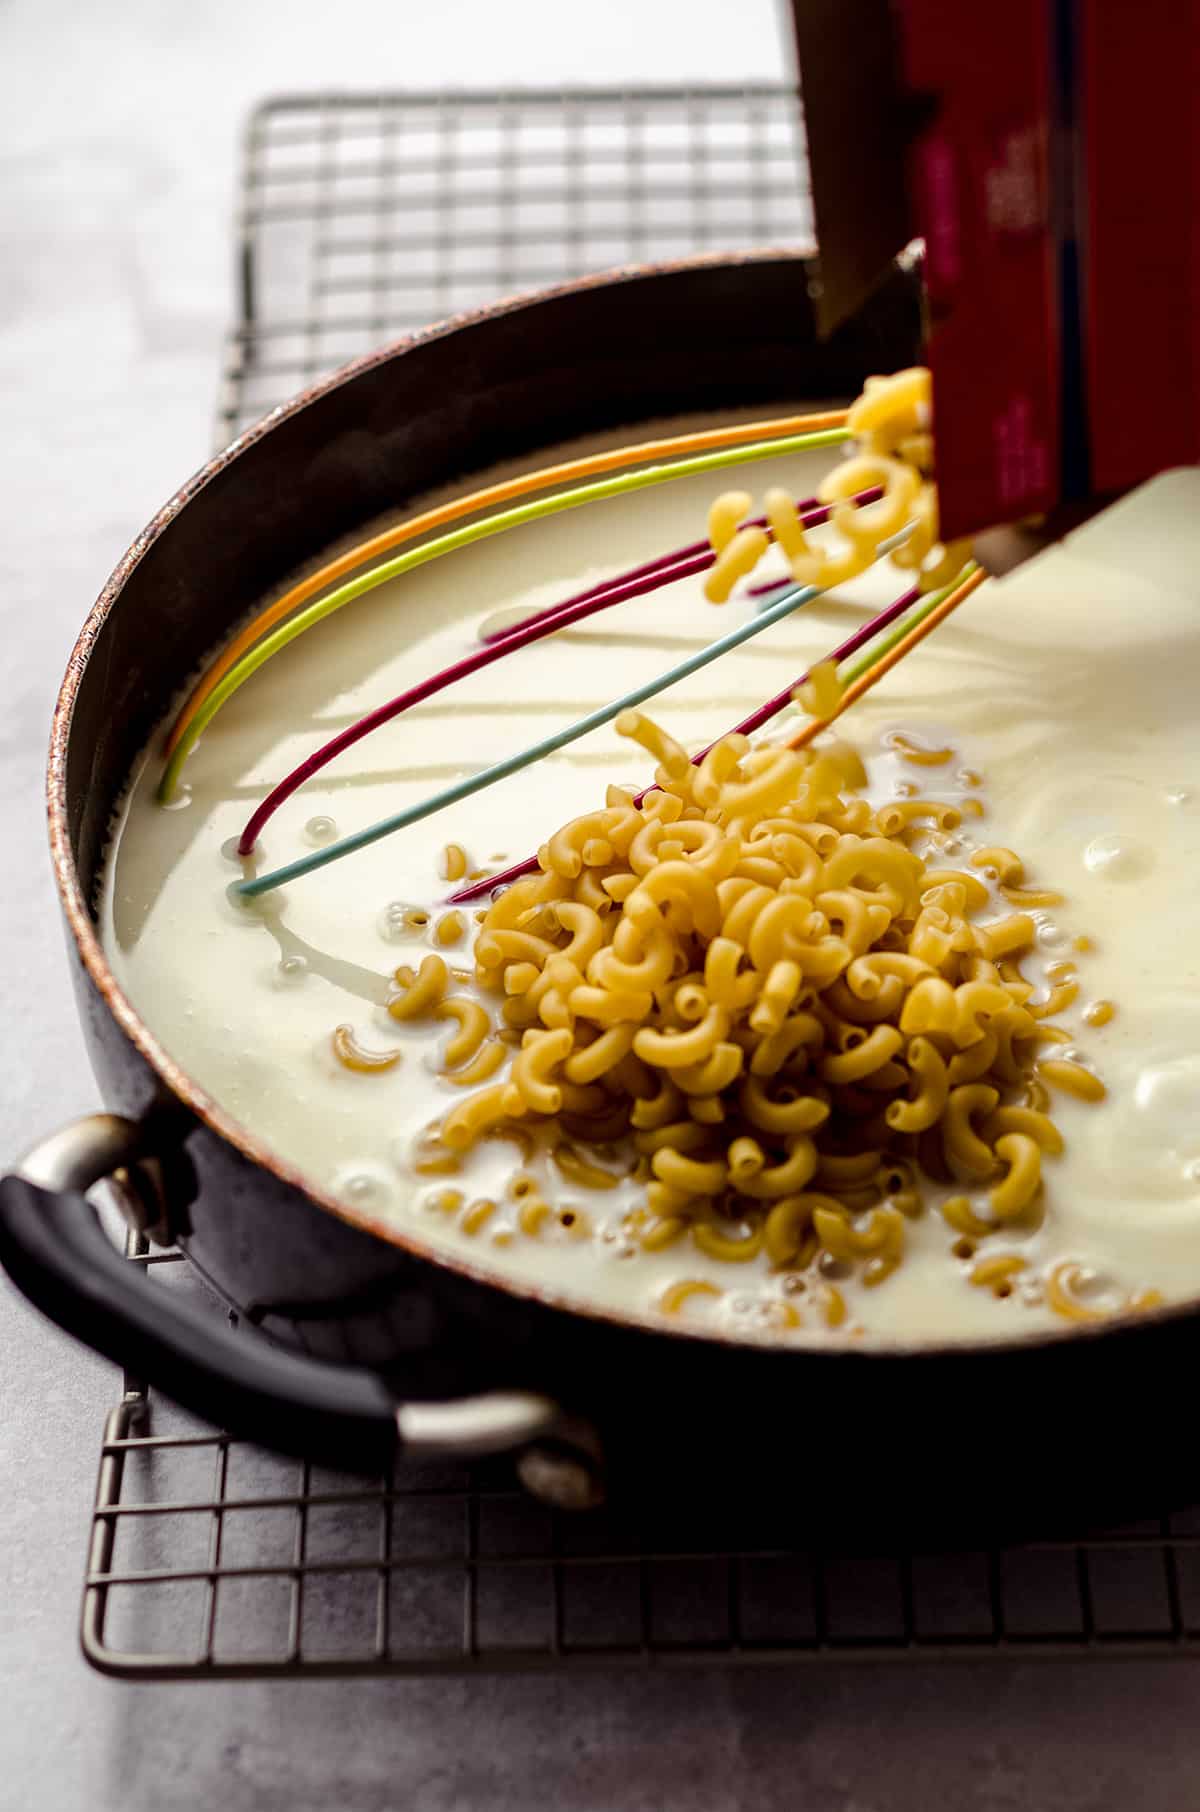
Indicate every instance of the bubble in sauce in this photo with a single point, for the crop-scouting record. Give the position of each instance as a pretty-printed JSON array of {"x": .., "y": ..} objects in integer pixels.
[
  {"x": 289, "y": 971},
  {"x": 1178, "y": 795},
  {"x": 1115, "y": 858},
  {"x": 391, "y": 922},
  {"x": 320, "y": 829},
  {"x": 1161, "y": 1139},
  {"x": 400, "y": 921},
  {"x": 1171, "y": 1092},
  {"x": 1051, "y": 936},
  {"x": 362, "y": 1187}
]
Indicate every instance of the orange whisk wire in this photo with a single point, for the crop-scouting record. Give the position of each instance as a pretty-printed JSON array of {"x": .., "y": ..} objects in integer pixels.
[
  {"x": 567, "y": 471},
  {"x": 887, "y": 661}
]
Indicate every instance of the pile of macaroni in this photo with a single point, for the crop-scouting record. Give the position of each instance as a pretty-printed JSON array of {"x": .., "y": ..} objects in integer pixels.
[{"x": 790, "y": 1020}]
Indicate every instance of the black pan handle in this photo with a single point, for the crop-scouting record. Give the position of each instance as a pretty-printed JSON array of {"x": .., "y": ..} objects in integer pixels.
[{"x": 55, "y": 1250}]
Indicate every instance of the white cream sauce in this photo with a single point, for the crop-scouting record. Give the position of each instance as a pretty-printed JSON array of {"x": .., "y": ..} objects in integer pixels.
[{"x": 1071, "y": 686}]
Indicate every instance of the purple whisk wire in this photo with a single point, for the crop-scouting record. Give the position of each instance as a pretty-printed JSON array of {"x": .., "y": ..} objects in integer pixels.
[
  {"x": 520, "y": 637},
  {"x": 649, "y": 569},
  {"x": 812, "y": 513},
  {"x": 665, "y": 570},
  {"x": 755, "y": 721}
]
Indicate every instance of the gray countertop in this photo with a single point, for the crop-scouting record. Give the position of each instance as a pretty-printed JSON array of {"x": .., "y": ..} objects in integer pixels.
[{"x": 117, "y": 134}]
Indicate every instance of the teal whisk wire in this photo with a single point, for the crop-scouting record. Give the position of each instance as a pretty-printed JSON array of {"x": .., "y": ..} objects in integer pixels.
[{"x": 794, "y": 599}]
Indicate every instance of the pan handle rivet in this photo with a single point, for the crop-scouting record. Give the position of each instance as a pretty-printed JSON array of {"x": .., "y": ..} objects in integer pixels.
[{"x": 560, "y": 1476}]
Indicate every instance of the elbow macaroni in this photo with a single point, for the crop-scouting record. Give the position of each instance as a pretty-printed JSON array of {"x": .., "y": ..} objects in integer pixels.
[{"x": 890, "y": 423}]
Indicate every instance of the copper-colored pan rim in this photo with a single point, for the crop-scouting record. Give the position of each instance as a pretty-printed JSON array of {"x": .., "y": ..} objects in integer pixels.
[{"x": 202, "y": 1105}]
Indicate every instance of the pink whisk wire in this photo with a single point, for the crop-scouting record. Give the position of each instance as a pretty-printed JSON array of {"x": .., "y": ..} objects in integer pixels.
[
  {"x": 665, "y": 570},
  {"x": 755, "y": 721},
  {"x": 811, "y": 510}
]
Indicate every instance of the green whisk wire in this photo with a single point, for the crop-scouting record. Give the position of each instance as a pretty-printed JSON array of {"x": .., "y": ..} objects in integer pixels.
[
  {"x": 595, "y": 492},
  {"x": 524, "y": 758}
]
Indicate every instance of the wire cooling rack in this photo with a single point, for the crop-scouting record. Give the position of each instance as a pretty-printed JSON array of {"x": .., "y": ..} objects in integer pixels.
[
  {"x": 364, "y": 215},
  {"x": 211, "y": 1559},
  {"x": 361, "y": 216}
]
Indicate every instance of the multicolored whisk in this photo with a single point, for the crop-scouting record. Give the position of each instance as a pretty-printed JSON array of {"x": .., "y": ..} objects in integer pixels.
[{"x": 862, "y": 659}]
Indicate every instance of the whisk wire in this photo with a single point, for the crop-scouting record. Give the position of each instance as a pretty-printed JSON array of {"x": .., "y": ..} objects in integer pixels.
[
  {"x": 870, "y": 632},
  {"x": 506, "y": 490},
  {"x": 793, "y": 600},
  {"x": 470, "y": 533},
  {"x": 650, "y": 576},
  {"x": 524, "y": 758},
  {"x": 904, "y": 638}
]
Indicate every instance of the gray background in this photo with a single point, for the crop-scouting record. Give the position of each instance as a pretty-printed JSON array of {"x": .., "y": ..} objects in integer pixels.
[{"x": 117, "y": 132}]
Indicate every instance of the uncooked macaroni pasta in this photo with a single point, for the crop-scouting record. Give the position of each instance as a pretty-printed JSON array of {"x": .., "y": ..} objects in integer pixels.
[{"x": 890, "y": 423}]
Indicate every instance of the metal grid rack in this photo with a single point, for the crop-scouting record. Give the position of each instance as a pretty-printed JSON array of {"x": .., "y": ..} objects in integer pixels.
[
  {"x": 362, "y": 216},
  {"x": 211, "y": 1559}
]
